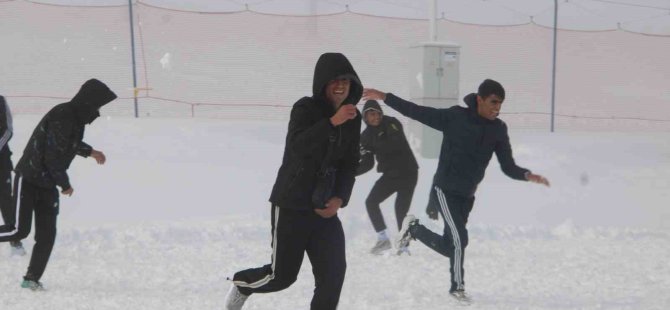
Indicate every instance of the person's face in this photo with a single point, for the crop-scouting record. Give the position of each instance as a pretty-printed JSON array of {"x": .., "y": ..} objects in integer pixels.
[
  {"x": 373, "y": 118},
  {"x": 337, "y": 91},
  {"x": 489, "y": 107}
]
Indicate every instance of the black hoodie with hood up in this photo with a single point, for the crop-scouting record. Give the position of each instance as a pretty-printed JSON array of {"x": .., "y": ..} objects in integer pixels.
[
  {"x": 468, "y": 143},
  {"x": 308, "y": 137},
  {"x": 58, "y": 137},
  {"x": 386, "y": 142}
]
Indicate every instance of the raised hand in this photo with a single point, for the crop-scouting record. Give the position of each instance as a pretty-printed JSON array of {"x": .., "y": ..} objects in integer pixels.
[
  {"x": 343, "y": 114},
  {"x": 373, "y": 94}
]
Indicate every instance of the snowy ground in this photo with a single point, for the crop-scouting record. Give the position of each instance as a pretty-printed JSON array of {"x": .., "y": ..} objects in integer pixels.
[{"x": 181, "y": 204}]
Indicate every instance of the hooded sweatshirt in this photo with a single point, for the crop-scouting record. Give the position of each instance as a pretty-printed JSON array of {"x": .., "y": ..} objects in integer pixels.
[
  {"x": 58, "y": 137},
  {"x": 468, "y": 143},
  {"x": 309, "y": 135},
  {"x": 386, "y": 142}
]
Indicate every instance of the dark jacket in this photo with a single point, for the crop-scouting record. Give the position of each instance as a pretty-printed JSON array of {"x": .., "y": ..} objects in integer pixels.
[
  {"x": 6, "y": 132},
  {"x": 58, "y": 137},
  {"x": 386, "y": 142},
  {"x": 309, "y": 133},
  {"x": 468, "y": 143}
]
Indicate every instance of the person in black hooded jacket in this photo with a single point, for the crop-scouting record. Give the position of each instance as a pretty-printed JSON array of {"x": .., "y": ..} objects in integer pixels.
[
  {"x": 55, "y": 142},
  {"x": 470, "y": 137},
  {"x": 6, "y": 167},
  {"x": 314, "y": 181},
  {"x": 385, "y": 139}
]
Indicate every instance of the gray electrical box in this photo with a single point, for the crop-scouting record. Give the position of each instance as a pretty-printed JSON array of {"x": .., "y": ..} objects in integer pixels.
[{"x": 434, "y": 79}]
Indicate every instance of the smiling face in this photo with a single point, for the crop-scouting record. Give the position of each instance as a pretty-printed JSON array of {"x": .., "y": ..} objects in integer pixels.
[
  {"x": 373, "y": 117},
  {"x": 489, "y": 107},
  {"x": 337, "y": 91}
]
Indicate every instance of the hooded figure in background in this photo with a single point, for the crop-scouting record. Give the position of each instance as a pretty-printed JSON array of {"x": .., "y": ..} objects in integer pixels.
[
  {"x": 43, "y": 168},
  {"x": 6, "y": 166},
  {"x": 314, "y": 181},
  {"x": 384, "y": 139}
]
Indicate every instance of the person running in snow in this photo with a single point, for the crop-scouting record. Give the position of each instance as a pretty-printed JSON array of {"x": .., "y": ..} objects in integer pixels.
[
  {"x": 43, "y": 166},
  {"x": 6, "y": 167},
  {"x": 384, "y": 139},
  {"x": 470, "y": 137},
  {"x": 314, "y": 181}
]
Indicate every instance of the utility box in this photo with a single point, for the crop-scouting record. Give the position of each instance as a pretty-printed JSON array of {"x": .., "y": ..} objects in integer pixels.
[{"x": 434, "y": 76}]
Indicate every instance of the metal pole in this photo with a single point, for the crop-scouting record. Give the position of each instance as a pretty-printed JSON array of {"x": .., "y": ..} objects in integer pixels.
[
  {"x": 553, "y": 71},
  {"x": 433, "y": 22},
  {"x": 132, "y": 45}
]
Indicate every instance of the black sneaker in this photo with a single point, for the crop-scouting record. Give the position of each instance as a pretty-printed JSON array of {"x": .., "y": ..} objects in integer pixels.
[
  {"x": 405, "y": 234},
  {"x": 17, "y": 248}
]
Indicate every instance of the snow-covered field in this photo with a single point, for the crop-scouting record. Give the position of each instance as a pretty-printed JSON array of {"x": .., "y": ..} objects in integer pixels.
[{"x": 182, "y": 203}]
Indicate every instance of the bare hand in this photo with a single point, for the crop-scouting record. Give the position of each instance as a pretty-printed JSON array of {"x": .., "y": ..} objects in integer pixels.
[
  {"x": 68, "y": 192},
  {"x": 373, "y": 94},
  {"x": 343, "y": 114},
  {"x": 99, "y": 157},
  {"x": 536, "y": 178},
  {"x": 431, "y": 211},
  {"x": 332, "y": 206}
]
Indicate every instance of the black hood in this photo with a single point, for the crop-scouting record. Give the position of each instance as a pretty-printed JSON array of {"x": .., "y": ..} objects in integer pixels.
[
  {"x": 471, "y": 101},
  {"x": 331, "y": 66},
  {"x": 372, "y": 105},
  {"x": 90, "y": 98}
]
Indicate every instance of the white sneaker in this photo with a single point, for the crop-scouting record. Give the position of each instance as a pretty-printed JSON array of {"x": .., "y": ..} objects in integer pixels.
[
  {"x": 235, "y": 300},
  {"x": 403, "y": 250},
  {"x": 17, "y": 248},
  {"x": 462, "y": 297},
  {"x": 404, "y": 236},
  {"x": 380, "y": 247}
]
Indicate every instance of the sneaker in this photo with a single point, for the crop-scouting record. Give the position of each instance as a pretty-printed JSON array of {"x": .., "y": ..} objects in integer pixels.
[
  {"x": 405, "y": 234},
  {"x": 17, "y": 248},
  {"x": 235, "y": 300},
  {"x": 380, "y": 247},
  {"x": 404, "y": 250},
  {"x": 32, "y": 285},
  {"x": 462, "y": 297}
]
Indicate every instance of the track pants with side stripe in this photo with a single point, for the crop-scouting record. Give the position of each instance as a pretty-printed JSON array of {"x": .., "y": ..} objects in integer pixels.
[
  {"x": 44, "y": 202},
  {"x": 455, "y": 210},
  {"x": 295, "y": 232}
]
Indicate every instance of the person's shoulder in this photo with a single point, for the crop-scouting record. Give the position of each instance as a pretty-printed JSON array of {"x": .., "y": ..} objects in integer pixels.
[
  {"x": 62, "y": 112},
  {"x": 303, "y": 101}
]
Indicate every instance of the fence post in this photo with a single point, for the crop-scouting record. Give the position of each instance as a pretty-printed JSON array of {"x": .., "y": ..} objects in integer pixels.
[
  {"x": 553, "y": 69},
  {"x": 132, "y": 48}
]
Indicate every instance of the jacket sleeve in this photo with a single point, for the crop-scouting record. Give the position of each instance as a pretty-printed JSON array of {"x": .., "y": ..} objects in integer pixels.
[
  {"x": 432, "y": 117},
  {"x": 367, "y": 156},
  {"x": 5, "y": 123},
  {"x": 346, "y": 170},
  {"x": 503, "y": 151},
  {"x": 58, "y": 134},
  {"x": 83, "y": 149},
  {"x": 304, "y": 137}
]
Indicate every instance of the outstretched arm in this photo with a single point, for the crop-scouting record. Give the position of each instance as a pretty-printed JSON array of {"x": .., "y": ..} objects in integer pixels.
[
  {"x": 432, "y": 117},
  {"x": 503, "y": 151}
]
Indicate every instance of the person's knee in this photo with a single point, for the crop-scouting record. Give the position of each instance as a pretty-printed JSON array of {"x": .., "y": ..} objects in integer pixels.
[
  {"x": 46, "y": 236},
  {"x": 371, "y": 202},
  {"x": 283, "y": 281},
  {"x": 23, "y": 232}
]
